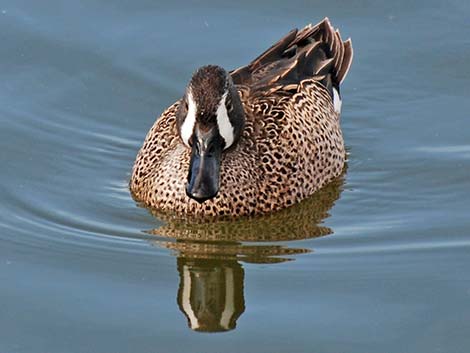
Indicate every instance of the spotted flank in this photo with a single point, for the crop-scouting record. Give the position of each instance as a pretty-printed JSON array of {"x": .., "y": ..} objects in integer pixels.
[{"x": 253, "y": 140}]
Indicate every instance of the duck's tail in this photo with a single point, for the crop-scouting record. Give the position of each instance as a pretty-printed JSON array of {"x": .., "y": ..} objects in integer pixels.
[{"x": 312, "y": 52}]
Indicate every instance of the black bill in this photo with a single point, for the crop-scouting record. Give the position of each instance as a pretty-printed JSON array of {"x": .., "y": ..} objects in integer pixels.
[{"x": 204, "y": 167}]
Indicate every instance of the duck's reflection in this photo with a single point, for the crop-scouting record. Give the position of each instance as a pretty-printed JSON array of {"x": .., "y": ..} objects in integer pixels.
[
  {"x": 211, "y": 293},
  {"x": 209, "y": 255}
]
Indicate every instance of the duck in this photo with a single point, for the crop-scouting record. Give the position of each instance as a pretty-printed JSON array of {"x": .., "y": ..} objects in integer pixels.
[{"x": 253, "y": 140}]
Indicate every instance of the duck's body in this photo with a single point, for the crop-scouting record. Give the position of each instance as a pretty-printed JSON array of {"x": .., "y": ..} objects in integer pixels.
[{"x": 284, "y": 145}]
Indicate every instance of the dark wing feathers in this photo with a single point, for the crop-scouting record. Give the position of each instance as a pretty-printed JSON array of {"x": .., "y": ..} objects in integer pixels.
[
  {"x": 313, "y": 52},
  {"x": 276, "y": 51},
  {"x": 347, "y": 60}
]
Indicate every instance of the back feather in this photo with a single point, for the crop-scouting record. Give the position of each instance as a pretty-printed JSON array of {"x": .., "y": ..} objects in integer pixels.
[{"x": 316, "y": 52}]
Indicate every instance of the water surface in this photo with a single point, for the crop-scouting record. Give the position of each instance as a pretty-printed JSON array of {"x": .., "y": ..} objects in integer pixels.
[{"x": 377, "y": 262}]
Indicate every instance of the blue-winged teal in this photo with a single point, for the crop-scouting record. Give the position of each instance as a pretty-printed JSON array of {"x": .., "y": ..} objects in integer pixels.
[{"x": 253, "y": 140}]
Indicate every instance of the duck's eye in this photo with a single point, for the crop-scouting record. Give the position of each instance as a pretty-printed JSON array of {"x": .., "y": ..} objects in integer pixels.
[
  {"x": 210, "y": 149},
  {"x": 197, "y": 149},
  {"x": 229, "y": 106},
  {"x": 185, "y": 104}
]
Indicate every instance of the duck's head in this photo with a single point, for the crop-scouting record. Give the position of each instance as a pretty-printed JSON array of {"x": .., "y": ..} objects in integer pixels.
[{"x": 210, "y": 120}]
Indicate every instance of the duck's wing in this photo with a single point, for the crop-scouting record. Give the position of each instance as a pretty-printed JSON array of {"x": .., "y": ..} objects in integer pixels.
[{"x": 314, "y": 52}]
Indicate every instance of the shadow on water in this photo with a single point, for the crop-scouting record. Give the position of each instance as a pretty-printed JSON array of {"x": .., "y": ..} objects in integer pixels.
[{"x": 209, "y": 254}]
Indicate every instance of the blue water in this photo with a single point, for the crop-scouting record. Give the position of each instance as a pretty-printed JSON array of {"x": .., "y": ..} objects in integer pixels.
[{"x": 378, "y": 262}]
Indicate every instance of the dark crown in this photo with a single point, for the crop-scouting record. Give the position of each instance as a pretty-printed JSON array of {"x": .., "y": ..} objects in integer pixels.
[{"x": 207, "y": 87}]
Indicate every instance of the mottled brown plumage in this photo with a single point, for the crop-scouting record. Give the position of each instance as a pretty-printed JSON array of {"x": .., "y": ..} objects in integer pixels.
[{"x": 291, "y": 142}]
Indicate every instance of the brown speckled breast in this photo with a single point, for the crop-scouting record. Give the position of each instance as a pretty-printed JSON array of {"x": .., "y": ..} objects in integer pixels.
[{"x": 291, "y": 146}]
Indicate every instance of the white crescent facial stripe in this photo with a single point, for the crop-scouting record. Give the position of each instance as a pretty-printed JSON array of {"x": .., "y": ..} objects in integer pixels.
[
  {"x": 223, "y": 122},
  {"x": 187, "y": 128}
]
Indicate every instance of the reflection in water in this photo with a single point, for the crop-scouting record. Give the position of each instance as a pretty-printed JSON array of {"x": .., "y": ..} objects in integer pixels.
[
  {"x": 211, "y": 293},
  {"x": 209, "y": 254}
]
